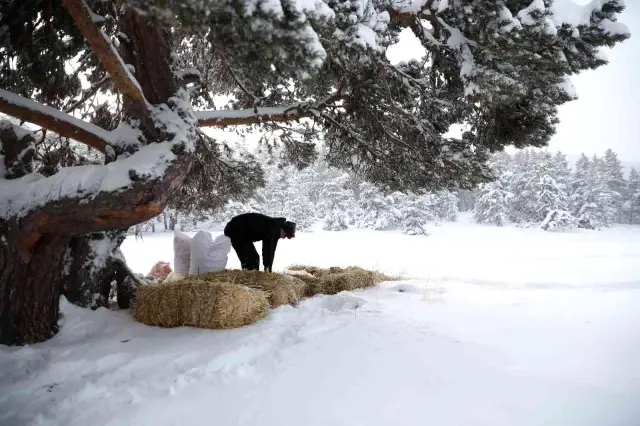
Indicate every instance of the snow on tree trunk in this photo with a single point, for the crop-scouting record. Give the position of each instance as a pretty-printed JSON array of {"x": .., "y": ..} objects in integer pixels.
[{"x": 93, "y": 265}]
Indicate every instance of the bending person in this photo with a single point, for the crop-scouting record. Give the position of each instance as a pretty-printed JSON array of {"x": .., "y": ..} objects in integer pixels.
[{"x": 245, "y": 229}]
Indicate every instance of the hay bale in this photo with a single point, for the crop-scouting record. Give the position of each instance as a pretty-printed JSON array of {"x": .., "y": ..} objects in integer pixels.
[
  {"x": 281, "y": 289},
  {"x": 199, "y": 303},
  {"x": 347, "y": 280},
  {"x": 334, "y": 280}
]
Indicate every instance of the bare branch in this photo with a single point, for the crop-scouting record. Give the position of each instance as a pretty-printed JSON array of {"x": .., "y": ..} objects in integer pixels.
[
  {"x": 54, "y": 120},
  {"x": 256, "y": 100},
  {"x": 87, "y": 94},
  {"x": 104, "y": 50}
]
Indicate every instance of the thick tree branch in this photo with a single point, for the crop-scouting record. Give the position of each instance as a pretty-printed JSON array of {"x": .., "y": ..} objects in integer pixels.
[
  {"x": 93, "y": 198},
  {"x": 256, "y": 115},
  {"x": 54, "y": 120},
  {"x": 104, "y": 50}
]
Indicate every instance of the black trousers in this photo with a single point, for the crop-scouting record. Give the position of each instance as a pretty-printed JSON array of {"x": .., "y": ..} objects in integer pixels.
[{"x": 247, "y": 253}]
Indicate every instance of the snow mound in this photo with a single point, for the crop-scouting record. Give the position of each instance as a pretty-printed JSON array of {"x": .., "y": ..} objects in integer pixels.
[{"x": 342, "y": 302}]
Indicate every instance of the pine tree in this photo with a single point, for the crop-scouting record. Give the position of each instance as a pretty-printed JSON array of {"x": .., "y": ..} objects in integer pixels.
[
  {"x": 561, "y": 170},
  {"x": 632, "y": 202},
  {"x": 551, "y": 196},
  {"x": 605, "y": 196},
  {"x": 335, "y": 202},
  {"x": 590, "y": 197},
  {"x": 444, "y": 206},
  {"x": 414, "y": 214},
  {"x": 614, "y": 177},
  {"x": 336, "y": 219},
  {"x": 491, "y": 204},
  {"x": 521, "y": 206},
  {"x": 374, "y": 209}
]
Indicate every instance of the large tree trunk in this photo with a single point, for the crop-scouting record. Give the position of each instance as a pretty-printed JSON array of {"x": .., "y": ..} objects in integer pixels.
[
  {"x": 30, "y": 289},
  {"x": 50, "y": 250}
]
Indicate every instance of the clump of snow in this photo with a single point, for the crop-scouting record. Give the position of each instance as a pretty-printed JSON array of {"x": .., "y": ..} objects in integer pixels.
[
  {"x": 567, "y": 87},
  {"x": 19, "y": 131},
  {"x": 95, "y": 18},
  {"x": 507, "y": 16},
  {"x": 297, "y": 273},
  {"x": 458, "y": 41},
  {"x": 525, "y": 15},
  {"x": 569, "y": 12},
  {"x": 613, "y": 28},
  {"x": 408, "y": 6},
  {"x": 440, "y": 5},
  {"x": 101, "y": 250}
]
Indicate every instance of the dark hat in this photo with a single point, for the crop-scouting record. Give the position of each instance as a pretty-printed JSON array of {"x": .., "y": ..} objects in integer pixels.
[{"x": 289, "y": 228}]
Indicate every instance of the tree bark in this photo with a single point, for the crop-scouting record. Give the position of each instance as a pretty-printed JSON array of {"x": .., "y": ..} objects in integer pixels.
[{"x": 30, "y": 290}]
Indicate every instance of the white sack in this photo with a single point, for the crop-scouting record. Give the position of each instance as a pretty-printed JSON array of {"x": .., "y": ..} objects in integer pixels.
[
  {"x": 207, "y": 254},
  {"x": 181, "y": 253}
]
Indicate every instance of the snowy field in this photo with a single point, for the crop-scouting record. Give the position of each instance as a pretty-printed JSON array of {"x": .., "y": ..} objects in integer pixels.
[{"x": 488, "y": 326}]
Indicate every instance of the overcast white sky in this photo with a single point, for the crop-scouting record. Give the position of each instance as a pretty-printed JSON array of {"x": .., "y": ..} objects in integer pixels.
[{"x": 607, "y": 112}]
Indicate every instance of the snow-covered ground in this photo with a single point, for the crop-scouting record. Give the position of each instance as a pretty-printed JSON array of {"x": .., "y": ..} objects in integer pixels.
[{"x": 488, "y": 326}]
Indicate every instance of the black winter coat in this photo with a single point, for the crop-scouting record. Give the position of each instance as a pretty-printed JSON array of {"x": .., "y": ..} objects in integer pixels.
[{"x": 252, "y": 227}]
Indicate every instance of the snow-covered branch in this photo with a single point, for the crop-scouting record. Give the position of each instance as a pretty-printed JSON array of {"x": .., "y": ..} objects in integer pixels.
[
  {"x": 104, "y": 50},
  {"x": 54, "y": 120},
  {"x": 80, "y": 199},
  {"x": 224, "y": 118}
]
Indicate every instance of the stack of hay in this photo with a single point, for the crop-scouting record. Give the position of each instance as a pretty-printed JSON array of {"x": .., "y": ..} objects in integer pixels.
[
  {"x": 334, "y": 280},
  {"x": 234, "y": 298}
]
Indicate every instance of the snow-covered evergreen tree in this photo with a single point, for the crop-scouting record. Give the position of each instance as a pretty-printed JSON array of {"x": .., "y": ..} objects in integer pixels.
[
  {"x": 374, "y": 209},
  {"x": 616, "y": 183},
  {"x": 444, "y": 206},
  {"x": 414, "y": 214},
  {"x": 491, "y": 204},
  {"x": 336, "y": 219},
  {"x": 605, "y": 196},
  {"x": 335, "y": 202},
  {"x": 591, "y": 202},
  {"x": 550, "y": 195},
  {"x": 521, "y": 207},
  {"x": 632, "y": 198}
]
